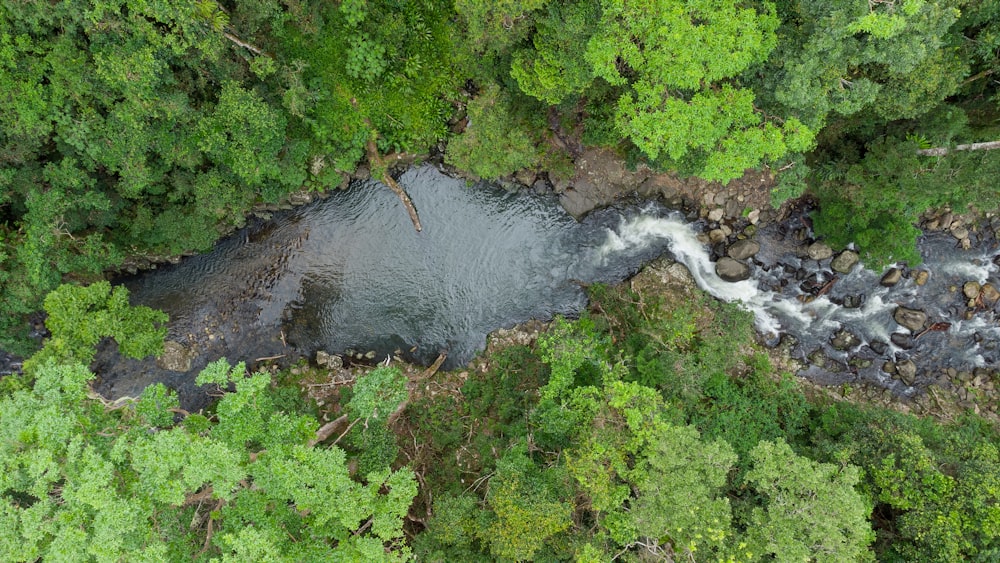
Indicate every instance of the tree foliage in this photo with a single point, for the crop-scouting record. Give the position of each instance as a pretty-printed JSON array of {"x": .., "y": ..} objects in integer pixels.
[{"x": 85, "y": 482}]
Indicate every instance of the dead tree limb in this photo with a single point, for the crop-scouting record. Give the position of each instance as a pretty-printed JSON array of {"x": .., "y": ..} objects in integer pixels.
[
  {"x": 244, "y": 44},
  {"x": 941, "y": 151},
  {"x": 327, "y": 430},
  {"x": 378, "y": 164},
  {"x": 379, "y": 167}
]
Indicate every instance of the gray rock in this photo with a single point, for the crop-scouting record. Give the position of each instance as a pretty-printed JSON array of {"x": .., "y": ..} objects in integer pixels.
[
  {"x": 731, "y": 270},
  {"x": 971, "y": 289},
  {"x": 819, "y": 251},
  {"x": 743, "y": 249},
  {"x": 912, "y": 319},
  {"x": 891, "y": 277},
  {"x": 960, "y": 232},
  {"x": 175, "y": 357},
  {"x": 902, "y": 340},
  {"x": 844, "y": 262},
  {"x": 907, "y": 371},
  {"x": 716, "y": 214}
]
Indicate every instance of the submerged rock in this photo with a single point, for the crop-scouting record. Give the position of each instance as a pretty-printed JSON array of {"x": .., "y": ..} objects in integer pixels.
[
  {"x": 175, "y": 357},
  {"x": 912, "y": 319},
  {"x": 920, "y": 277},
  {"x": 732, "y": 270}
]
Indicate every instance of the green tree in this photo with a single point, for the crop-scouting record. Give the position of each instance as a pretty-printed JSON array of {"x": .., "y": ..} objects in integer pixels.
[
  {"x": 678, "y": 61},
  {"x": 812, "y": 511},
  {"x": 496, "y": 142},
  {"x": 85, "y": 482}
]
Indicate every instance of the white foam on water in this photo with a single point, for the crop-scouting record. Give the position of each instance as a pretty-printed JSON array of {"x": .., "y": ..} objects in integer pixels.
[{"x": 640, "y": 232}]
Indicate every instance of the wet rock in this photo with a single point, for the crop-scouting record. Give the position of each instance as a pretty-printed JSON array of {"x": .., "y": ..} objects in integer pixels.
[
  {"x": 844, "y": 262},
  {"x": 920, "y": 277},
  {"x": 819, "y": 251},
  {"x": 971, "y": 289},
  {"x": 889, "y": 367},
  {"x": 817, "y": 358},
  {"x": 743, "y": 249},
  {"x": 902, "y": 340},
  {"x": 732, "y": 270},
  {"x": 175, "y": 357},
  {"x": 324, "y": 359},
  {"x": 716, "y": 236},
  {"x": 853, "y": 301},
  {"x": 910, "y": 318},
  {"x": 959, "y": 232},
  {"x": 891, "y": 277},
  {"x": 966, "y": 244},
  {"x": 879, "y": 347},
  {"x": 907, "y": 371},
  {"x": 989, "y": 294},
  {"x": 844, "y": 340}
]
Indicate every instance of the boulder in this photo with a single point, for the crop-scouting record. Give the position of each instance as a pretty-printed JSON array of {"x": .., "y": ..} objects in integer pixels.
[
  {"x": 891, "y": 277},
  {"x": 907, "y": 371},
  {"x": 989, "y": 294},
  {"x": 971, "y": 289},
  {"x": 959, "y": 232},
  {"x": 912, "y": 319},
  {"x": 732, "y": 270},
  {"x": 819, "y": 251},
  {"x": 920, "y": 277},
  {"x": 743, "y": 249},
  {"x": 844, "y": 262},
  {"x": 716, "y": 236}
]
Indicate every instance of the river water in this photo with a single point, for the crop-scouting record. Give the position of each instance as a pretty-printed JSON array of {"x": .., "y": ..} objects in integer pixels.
[{"x": 350, "y": 274}]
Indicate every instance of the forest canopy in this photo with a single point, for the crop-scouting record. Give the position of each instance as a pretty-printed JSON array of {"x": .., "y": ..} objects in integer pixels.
[{"x": 138, "y": 128}]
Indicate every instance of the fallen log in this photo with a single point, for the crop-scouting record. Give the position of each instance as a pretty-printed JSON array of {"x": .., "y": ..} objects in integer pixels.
[{"x": 941, "y": 151}]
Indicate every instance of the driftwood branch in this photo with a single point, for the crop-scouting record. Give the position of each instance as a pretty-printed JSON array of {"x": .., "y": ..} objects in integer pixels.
[
  {"x": 378, "y": 164},
  {"x": 941, "y": 151}
]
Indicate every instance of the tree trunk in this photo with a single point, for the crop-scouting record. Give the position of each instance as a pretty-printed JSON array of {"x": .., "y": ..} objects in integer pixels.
[{"x": 941, "y": 151}]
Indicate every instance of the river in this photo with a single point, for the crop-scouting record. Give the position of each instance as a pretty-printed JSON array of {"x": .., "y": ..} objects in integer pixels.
[{"x": 349, "y": 274}]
